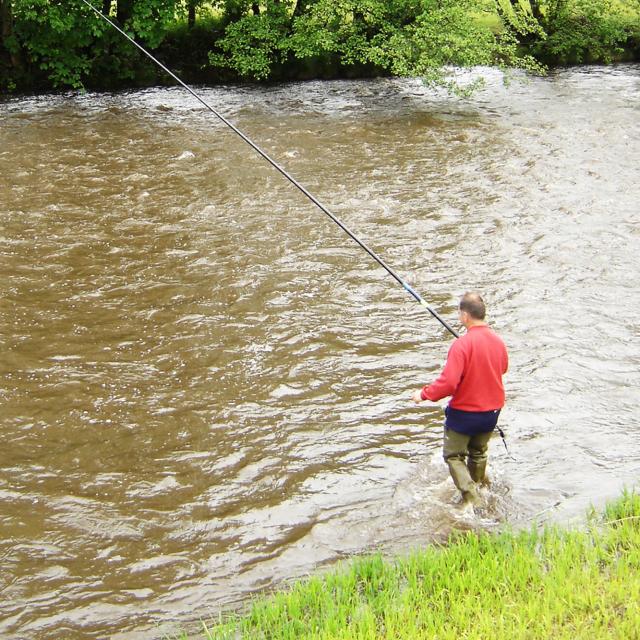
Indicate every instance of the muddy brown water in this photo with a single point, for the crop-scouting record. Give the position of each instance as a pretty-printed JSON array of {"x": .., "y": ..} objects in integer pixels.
[{"x": 205, "y": 385}]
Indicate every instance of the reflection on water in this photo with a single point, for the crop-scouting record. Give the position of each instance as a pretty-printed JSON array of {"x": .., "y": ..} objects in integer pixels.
[{"x": 205, "y": 384}]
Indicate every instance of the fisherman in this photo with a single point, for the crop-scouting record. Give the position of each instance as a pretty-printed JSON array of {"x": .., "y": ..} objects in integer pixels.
[{"x": 472, "y": 376}]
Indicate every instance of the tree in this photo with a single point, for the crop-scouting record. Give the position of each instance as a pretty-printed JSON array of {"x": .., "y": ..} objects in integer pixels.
[
  {"x": 67, "y": 42},
  {"x": 234, "y": 10},
  {"x": 9, "y": 46},
  {"x": 396, "y": 37},
  {"x": 358, "y": 32},
  {"x": 53, "y": 37},
  {"x": 63, "y": 43},
  {"x": 525, "y": 21},
  {"x": 191, "y": 13},
  {"x": 6, "y": 23},
  {"x": 254, "y": 42},
  {"x": 124, "y": 11},
  {"x": 570, "y": 31}
]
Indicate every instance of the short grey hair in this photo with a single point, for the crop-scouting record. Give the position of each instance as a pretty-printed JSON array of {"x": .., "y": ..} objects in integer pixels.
[{"x": 473, "y": 304}]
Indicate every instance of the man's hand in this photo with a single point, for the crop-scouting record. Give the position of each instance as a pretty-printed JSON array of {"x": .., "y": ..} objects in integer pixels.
[{"x": 417, "y": 396}]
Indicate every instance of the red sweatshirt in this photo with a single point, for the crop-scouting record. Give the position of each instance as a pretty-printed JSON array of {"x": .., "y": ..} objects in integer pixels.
[{"x": 473, "y": 373}]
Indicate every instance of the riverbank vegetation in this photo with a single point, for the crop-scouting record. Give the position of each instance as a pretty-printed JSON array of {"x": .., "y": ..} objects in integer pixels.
[
  {"x": 561, "y": 584},
  {"x": 50, "y": 44}
]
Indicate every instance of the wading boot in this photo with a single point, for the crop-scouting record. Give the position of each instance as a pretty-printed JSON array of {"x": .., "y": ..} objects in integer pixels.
[
  {"x": 470, "y": 497},
  {"x": 478, "y": 472}
]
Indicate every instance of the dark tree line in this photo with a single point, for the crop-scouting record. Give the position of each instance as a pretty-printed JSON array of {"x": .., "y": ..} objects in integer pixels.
[{"x": 62, "y": 43}]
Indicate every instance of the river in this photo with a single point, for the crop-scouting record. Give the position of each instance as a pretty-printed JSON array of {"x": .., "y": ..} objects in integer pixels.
[{"x": 205, "y": 384}]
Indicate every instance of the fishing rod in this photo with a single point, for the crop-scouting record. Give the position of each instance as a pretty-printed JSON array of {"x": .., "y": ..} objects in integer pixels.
[{"x": 285, "y": 173}]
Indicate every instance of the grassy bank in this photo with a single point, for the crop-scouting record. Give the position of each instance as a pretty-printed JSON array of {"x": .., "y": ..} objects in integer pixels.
[{"x": 554, "y": 583}]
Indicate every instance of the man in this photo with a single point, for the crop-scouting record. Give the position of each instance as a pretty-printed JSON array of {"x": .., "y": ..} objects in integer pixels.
[{"x": 472, "y": 376}]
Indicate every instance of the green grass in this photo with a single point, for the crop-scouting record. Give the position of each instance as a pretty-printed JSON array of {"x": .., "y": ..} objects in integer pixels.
[{"x": 554, "y": 583}]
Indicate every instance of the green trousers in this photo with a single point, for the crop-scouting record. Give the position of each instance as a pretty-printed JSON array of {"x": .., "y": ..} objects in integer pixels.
[{"x": 466, "y": 457}]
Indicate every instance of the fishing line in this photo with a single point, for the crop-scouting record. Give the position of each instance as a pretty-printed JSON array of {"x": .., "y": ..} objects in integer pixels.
[
  {"x": 407, "y": 287},
  {"x": 286, "y": 174}
]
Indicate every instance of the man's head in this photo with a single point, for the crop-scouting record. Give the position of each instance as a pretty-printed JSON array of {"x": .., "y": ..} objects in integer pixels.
[{"x": 472, "y": 308}]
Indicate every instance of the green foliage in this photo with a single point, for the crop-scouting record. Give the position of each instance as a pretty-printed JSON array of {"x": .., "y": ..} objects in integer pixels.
[
  {"x": 585, "y": 31},
  {"x": 70, "y": 43},
  {"x": 573, "y": 31},
  {"x": 151, "y": 19},
  {"x": 394, "y": 37},
  {"x": 363, "y": 32},
  {"x": 254, "y": 43},
  {"x": 63, "y": 43},
  {"x": 233, "y": 10},
  {"x": 448, "y": 33},
  {"x": 563, "y": 584},
  {"x": 55, "y": 36}
]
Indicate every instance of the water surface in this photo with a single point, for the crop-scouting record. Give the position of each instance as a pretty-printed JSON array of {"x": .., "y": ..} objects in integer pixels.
[{"x": 205, "y": 385}]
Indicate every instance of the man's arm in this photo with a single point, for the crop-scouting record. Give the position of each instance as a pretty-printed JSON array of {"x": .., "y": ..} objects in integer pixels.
[{"x": 448, "y": 381}]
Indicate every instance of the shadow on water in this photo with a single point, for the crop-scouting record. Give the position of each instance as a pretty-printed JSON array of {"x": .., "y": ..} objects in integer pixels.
[{"x": 205, "y": 386}]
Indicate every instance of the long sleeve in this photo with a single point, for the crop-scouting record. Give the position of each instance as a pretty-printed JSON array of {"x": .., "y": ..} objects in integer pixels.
[
  {"x": 472, "y": 375},
  {"x": 450, "y": 377}
]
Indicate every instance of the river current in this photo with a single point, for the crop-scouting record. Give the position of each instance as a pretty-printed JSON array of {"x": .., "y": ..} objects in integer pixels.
[{"x": 205, "y": 384}]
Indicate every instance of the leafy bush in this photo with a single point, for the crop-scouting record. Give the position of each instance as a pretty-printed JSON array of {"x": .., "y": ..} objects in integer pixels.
[
  {"x": 583, "y": 31},
  {"x": 398, "y": 37},
  {"x": 72, "y": 45},
  {"x": 253, "y": 44},
  {"x": 58, "y": 43}
]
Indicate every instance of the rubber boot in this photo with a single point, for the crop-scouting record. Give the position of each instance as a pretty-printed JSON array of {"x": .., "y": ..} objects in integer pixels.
[
  {"x": 470, "y": 497},
  {"x": 478, "y": 471},
  {"x": 460, "y": 475}
]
